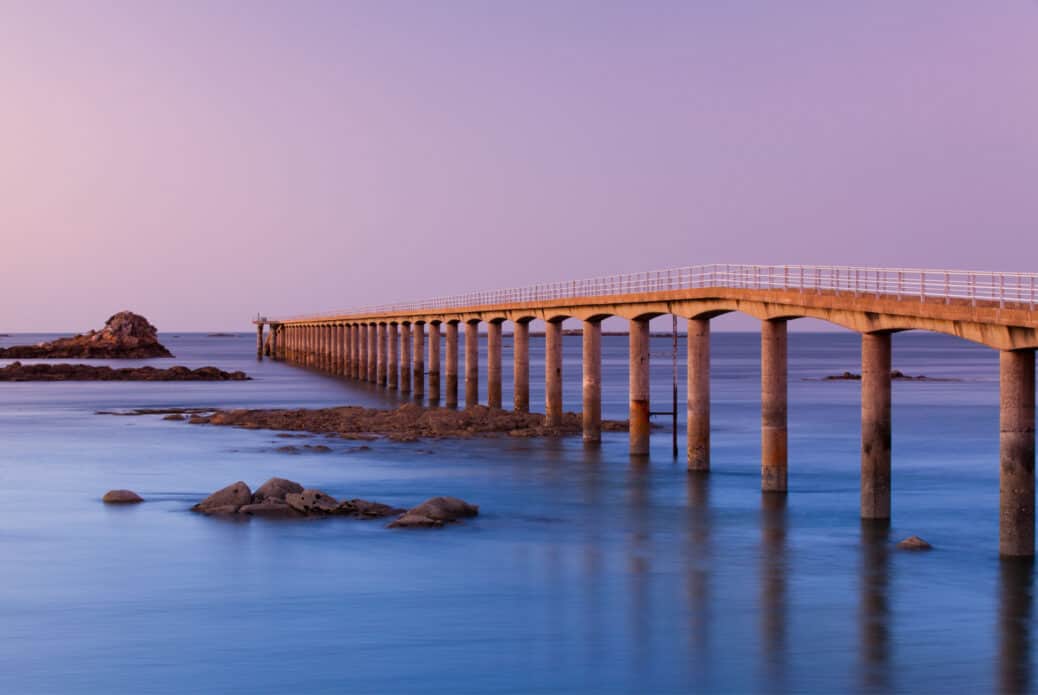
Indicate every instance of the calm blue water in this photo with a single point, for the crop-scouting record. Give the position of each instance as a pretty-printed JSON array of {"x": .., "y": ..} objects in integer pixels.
[{"x": 585, "y": 573}]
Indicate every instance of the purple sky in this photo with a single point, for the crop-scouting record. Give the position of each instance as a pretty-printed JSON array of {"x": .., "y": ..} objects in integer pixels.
[{"x": 202, "y": 161}]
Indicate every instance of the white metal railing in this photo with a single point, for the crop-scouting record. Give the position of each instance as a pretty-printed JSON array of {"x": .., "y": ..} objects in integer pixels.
[{"x": 1019, "y": 289}]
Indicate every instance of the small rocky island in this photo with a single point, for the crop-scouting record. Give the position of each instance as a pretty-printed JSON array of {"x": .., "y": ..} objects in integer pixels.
[
  {"x": 16, "y": 371},
  {"x": 895, "y": 375},
  {"x": 125, "y": 336}
]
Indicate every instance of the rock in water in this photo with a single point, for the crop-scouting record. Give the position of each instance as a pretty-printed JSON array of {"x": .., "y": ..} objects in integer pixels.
[
  {"x": 271, "y": 508},
  {"x": 276, "y": 488},
  {"x": 914, "y": 543},
  {"x": 226, "y": 500},
  {"x": 363, "y": 509},
  {"x": 126, "y": 335},
  {"x": 121, "y": 497},
  {"x": 312, "y": 502},
  {"x": 436, "y": 512}
]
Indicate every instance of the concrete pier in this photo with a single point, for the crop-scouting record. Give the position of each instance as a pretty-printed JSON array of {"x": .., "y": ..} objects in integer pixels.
[
  {"x": 1016, "y": 452},
  {"x": 393, "y": 378},
  {"x": 355, "y": 341},
  {"x": 471, "y": 364},
  {"x": 521, "y": 366},
  {"x": 382, "y": 363},
  {"x": 362, "y": 371},
  {"x": 592, "y": 381},
  {"x": 875, "y": 425},
  {"x": 259, "y": 341},
  {"x": 639, "y": 387},
  {"x": 405, "y": 358},
  {"x": 434, "y": 363},
  {"x": 553, "y": 373},
  {"x": 372, "y": 373},
  {"x": 494, "y": 364},
  {"x": 418, "y": 361},
  {"x": 773, "y": 405},
  {"x": 450, "y": 364},
  {"x": 697, "y": 407}
]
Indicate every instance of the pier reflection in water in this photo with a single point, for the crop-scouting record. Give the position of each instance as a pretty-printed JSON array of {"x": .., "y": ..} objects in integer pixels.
[
  {"x": 1016, "y": 598},
  {"x": 874, "y": 608}
]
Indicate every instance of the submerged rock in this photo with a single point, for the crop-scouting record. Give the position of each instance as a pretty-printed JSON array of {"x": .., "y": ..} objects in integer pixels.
[
  {"x": 125, "y": 335},
  {"x": 226, "y": 500},
  {"x": 436, "y": 512},
  {"x": 16, "y": 371},
  {"x": 363, "y": 509},
  {"x": 271, "y": 507},
  {"x": 914, "y": 543},
  {"x": 121, "y": 497}
]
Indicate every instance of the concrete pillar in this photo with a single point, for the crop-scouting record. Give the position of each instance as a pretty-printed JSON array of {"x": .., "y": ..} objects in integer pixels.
[
  {"x": 382, "y": 363},
  {"x": 450, "y": 364},
  {"x": 471, "y": 364},
  {"x": 347, "y": 355},
  {"x": 405, "y": 358},
  {"x": 259, "y": 341},
  {"x": 306, "y": 337},
  {"x": 521, "y": 366},
  {"x": 592, "y": 383},
  {"x": 553, "y": 373},
  {"x": 394, "y": 357},
  {"x": 372, "y": 374},
  {"x": 494, "y": 364},
  {"x": 340, "y": 340},
  {"x": 639, "y": 384},
  {"x": 773, "y": 405},
  {"x": 434, "y": 363},
  {"x": 698, "y": 395},
  {"x": 274, "y": 341},
  {"x": 362, "y": 369},
  {"x": 1016, "y": 455},
  {"x": 355, "y": 351},
  {"x": 418, "y": 369},
  {"x": 875, "y": 425}
]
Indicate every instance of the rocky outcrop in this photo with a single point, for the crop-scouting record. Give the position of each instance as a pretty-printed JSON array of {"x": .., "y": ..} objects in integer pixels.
[
  {"x": 122, "y": 497},
  {"x": 914, "y": 543},
  {"x": 125, "y": 335},
  {"x": 436, "y": 512},
  {"x": 226, "y": 500},
  {"x": 312, "y": 502},
  {"x": 895, "y": 375},
  {"x": 363, "y": 509},
  {"x": 276, "y": 488},
  {"x": 16, "y": 371}
]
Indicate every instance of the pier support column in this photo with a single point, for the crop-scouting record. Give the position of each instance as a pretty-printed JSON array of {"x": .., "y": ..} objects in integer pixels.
[
  {"x": 418, "y": 368},
  {"x": 471, "y": 364},
  {"x": 450, "y": 364},
  {"x": 344, "y": 350},
  {"x": 336, "y": 348},
  {"x": 1016, "y": 455},
  {"x": 362, "y": 368},
  {"x": 521, "y": 366},
  {"x": 382, "y": 364},
  {"x": 347, "y": 357},
  {"x": 639, "y": 380},
  {"x": 393, "y": 376},
  {"x": 875, "y": 425},
  {"x": 773, "y": 405},
  {"x": 405, "y": 358},
  {"x": 320, "y": 336},
  {"x": 307, "y": 340},
  {"x": 434, "y": 363},
  {"x": 698, "y": 395},
  {"x": 494, "y": 364},
  {"x": 592, "y": 384},
  {"x": 355, "y": 351},
  {"x": 553, "y": 373},
  {"x": 274, "y": 341},
  {"x": 259, "y": 341},
  {"x": 372, "y": 353}
]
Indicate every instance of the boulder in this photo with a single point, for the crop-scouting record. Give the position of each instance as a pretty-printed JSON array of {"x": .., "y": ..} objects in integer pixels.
[
  {"x": 174, "y": 416},
  {"x": 226, "y": 500},
  {"x": 276, "y": 488},
  {"x": 409, "y": 520},
  {"x": 914, "y": 543},
  {"x": 434, "y": 512},
  {"x": 121, "y": 497},
  {"x": 271, "y": 507},
  {"x": 363, "y": 509},
  {"x": 312, "y": 502}
]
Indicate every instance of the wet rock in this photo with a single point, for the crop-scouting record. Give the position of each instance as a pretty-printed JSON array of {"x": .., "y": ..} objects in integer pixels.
[
  {"x": 436, "y": 512},
  {"x": 271, "y": 508},
  {"x": 277, "y": 489},
  {"x": 363, "y": 509},
  {"x": 317, "y": 448},
  {"x": 914, "y": 543},
  {"x": 121, "y": 497},
  {"x": 174, "y": 416},
  {"x": 226, "y": 500},
  {"x": 312, "y": 502},
  {"x": 16, "y": 371},
  {"x": 409, "y": 520},
  {"x": 287, "y": 449}
]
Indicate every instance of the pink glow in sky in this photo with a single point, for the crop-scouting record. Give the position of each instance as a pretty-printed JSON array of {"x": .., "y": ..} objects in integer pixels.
[{"x": 202, "y": 161}]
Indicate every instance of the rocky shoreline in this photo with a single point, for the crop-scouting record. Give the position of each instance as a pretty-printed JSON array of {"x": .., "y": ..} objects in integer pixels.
[
  {"x": 408, "y": 423},
  {"x": 125, "y": 336},
  {"x": 16, "y": 371}
]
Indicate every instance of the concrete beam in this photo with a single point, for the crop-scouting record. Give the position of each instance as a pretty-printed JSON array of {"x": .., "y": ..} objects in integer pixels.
[
  {"x": 1016, "y": 455},
  {"x": 450, "y": 365},
  {"x": 553, "y": 373},
  {"x": 592, "y": 381},
  {"x": 418, "y": 386},
  {"x": 639, "y": 387},
  {"x": 494, "y": 364},
  {"x": 471, "y": 364},
  {"x": 875, "y": 425},
  {"x": 405, "y": 358},
  {"x": 521, "y": 366},
  {"x": 774, "y": 436},
  {"x": 698, "y": 395},
  {"x": 434, "y": 363}
]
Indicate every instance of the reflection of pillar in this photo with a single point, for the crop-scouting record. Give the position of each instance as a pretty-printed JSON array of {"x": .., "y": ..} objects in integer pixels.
[
  {"x": 418, "y": 360},
  {"x": 773, "y": 587},
  {"x": 521, "y": 366},
  {"x": 697, "y": 556},
  {"x": 434, "y": 363},
  {"x": 553, "y": 373},
  {"x": 592, "y": 386},
  {"x": 393, "y": 371},
  {"x": 1016, "y": 427},
  {"x": 773, "y": 405},
  {"x": 494, "y": 364},
  {"x": 405, "y": 358},
  {"x": 471, "y": 364},
  {"x": 639, "y": 381},
  {"x": 1016, "y": 581},
  {"x": 698, "y": 395},
  {"x": 450, "y": 364},
  {"x": 875, "y": 425},
  {"x": 874, "y": 612}
]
